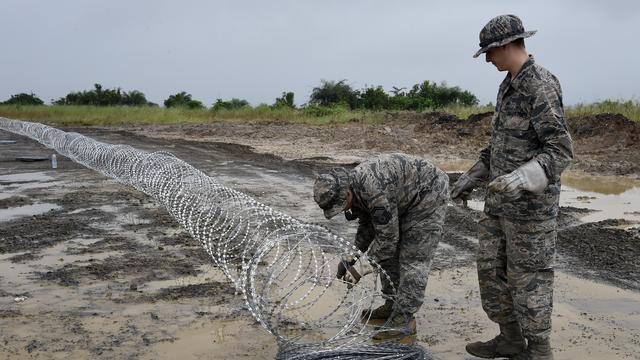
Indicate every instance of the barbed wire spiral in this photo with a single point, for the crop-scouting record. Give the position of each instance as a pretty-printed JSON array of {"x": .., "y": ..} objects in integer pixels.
[{"x": 284, "y": 268}]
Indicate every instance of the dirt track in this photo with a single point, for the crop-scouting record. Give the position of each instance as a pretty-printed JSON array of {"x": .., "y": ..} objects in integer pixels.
[{"x": 99, "y": 271}]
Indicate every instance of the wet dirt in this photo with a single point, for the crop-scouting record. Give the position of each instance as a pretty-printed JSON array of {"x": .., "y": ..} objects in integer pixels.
[
  {"x": 605, "y": 144},
  {"x": 110, "y": 275}
]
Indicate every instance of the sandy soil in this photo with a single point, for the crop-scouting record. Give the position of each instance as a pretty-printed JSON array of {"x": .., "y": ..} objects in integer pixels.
[{"x": 93, "y": 269}]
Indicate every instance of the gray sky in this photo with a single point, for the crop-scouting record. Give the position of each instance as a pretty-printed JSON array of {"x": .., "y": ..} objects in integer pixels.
[{"x": 258, "y": 49}]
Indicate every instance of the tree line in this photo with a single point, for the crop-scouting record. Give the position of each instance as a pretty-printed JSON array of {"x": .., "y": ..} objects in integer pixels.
[{"x": 329, "y": 94}]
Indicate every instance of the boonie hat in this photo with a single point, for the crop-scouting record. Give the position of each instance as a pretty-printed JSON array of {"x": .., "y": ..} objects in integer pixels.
[{"x": 501, "y": 30}]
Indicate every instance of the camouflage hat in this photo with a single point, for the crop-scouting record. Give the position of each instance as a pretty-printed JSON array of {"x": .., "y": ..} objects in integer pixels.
[
  {"x": 501, "y": 30},
  {"x": 330, "y": 191}
]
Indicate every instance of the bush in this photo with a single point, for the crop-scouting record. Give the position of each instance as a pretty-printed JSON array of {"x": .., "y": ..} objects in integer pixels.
[
  {"x": 23, "y": 99},
  {"x": 429, "y": 95},
  {"x": 103, "y": 97},
  {"x": 285, "y": 101},
  {"x": 331, "y": 93},
  {"x": 374, "y": 98},
  {"x": 232, "y": 104},
  {"x": 183, "y": 100},
  {"x": 321, "y": 111}
]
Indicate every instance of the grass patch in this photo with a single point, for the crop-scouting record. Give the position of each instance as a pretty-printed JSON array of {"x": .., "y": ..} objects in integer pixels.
[
  {"x": 125, "y": 115},
  {"x": 630, "y": 109}
]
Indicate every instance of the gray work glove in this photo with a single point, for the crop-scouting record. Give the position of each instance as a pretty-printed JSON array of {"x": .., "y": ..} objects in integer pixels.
[
  {"x": 528, "y": 177},
  {"x": 469, "y": 180}
]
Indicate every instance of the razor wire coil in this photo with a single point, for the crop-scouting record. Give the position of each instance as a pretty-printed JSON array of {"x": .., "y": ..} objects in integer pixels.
[{"x": 284, "y": 268}]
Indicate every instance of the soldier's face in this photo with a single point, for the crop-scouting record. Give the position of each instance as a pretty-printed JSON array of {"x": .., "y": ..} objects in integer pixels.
[{"x": 497, "y": 56}]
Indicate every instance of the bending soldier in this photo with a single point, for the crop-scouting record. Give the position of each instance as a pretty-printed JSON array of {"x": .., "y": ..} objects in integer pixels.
[{"x": 400, "y": 202}]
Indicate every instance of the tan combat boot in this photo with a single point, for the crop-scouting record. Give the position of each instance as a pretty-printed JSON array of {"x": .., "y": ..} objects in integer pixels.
[
  {"x": 536, "y": 350},
  {"x": 381, "y": 313},
  {"x": 508, "y": 343},
  {"x": 400, "y": 326}
]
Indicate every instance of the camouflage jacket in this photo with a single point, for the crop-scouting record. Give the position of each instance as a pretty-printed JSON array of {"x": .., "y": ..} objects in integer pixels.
[
  {"x": 393, "y": 192},
  {"x": 528, "y": 124}
]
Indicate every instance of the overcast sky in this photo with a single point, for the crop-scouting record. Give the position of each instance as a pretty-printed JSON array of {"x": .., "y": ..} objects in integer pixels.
[{"x": 257, "y": 49}]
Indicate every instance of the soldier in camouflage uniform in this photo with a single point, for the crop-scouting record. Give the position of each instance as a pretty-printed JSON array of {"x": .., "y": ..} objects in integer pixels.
[
  {"x": 400, "y": 202},
  {"x": 530, "y": 147}
]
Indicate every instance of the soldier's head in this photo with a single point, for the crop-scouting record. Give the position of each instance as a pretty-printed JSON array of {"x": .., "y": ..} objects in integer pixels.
[
  {"x": 502, "y": 40},
  {"x": 331, "y": 192}
]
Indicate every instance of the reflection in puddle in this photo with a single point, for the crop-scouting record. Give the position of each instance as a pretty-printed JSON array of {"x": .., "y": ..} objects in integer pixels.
[
  {"x": 625, "y": 205},
  {"x": 26, "y": 210},
  {"x": 607, "y": 185}
]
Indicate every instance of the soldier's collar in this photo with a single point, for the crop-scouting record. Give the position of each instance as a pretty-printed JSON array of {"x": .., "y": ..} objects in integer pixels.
[{"x": 516, "y": 81}]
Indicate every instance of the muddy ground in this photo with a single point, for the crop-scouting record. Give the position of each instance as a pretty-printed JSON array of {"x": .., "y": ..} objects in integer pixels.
[{"x": 90, "y": 268}]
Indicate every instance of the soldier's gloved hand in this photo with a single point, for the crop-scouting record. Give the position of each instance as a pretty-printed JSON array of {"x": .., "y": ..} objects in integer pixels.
[
  {"x": 469, "y": 180},
  {"x": 356, "y": 272},
  {"x": 528, "y": 177},
  {"x": 343, "y": 265}
]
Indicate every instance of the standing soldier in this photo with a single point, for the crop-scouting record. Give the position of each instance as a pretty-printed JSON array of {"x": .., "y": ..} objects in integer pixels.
[
  {"x": 400, "y": 201},
  {"x": 530, "y": 147}
]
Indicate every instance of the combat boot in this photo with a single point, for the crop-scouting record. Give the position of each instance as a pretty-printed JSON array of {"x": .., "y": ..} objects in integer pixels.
[
  {"x": 381, "y": 313},
  {"x": 536, "y": 350},
  {"x": 508, "y": 343},
  {"x": 401, "y": 325}
]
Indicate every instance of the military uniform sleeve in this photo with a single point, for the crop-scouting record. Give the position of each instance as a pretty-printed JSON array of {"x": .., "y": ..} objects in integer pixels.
[
  {"x": 485, "y": 156},
  {"x": 365, "y": 234},
  {"x": 384, "y": 218},
  {"x": 548, "y": 121}
]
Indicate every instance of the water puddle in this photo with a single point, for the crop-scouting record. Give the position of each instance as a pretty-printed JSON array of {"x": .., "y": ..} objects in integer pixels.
[
  {"x": 206, "y": 274},
  {"x": 26, "y": 210},
  {"x": 613, "y": 197},
  {"x": 39, "y": 176},
  {"x": 56, "y": 256}
]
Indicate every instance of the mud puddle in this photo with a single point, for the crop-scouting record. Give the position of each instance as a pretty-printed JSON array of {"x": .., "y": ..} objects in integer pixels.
[
  {"x": 26, "y": 210},
  {"x": 611, "y": 197}
]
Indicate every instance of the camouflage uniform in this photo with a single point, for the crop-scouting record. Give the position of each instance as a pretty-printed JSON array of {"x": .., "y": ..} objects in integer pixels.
[
  {"x": 401, "y": 205},
  {"x": 517, "y": 238}
]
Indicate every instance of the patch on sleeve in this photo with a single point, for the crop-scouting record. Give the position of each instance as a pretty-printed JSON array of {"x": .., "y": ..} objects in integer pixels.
[{"x": 380, "y": 215}]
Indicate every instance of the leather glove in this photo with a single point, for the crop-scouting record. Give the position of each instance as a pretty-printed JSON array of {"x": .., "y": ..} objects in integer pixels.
[
  {"x": 343, "y": 265},
  {"x": 356, "y": 272},
  {"x": 528, "y": 177},
  {"x": 469, "y": 180}
]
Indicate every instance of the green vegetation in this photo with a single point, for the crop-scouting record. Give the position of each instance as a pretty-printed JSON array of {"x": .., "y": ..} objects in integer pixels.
[
  {"x": 423, "y": 96},
  {"x": 182, "y": 100},
  {"x": 23, "y": 99},
  {"x": 332, "y": 93},
  {"x": 104, "y": 97},
  {"x": 630, "y": 109},
  {"x": 233, "y": 104},
  {"x": 286, "y": 100},
  {"x": 330, "y": 102},
  {"x": 121, "y": 115}
]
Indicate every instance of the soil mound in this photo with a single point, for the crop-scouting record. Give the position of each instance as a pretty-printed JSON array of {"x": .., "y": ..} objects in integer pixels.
[{"x": 603, "y": 125}]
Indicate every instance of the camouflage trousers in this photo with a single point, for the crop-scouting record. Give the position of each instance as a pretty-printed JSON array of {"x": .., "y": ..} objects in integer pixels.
[
  {"x": 515, "y": 272},
  {"x": 408, "y": 270}
]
